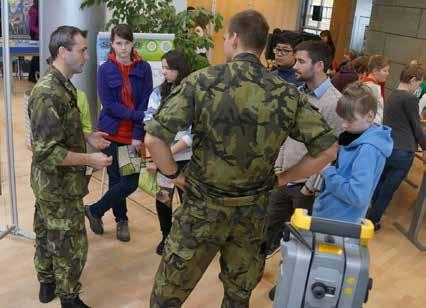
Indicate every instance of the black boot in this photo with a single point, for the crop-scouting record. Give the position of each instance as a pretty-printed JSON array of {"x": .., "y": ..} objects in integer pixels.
[
  {"x": 160, "y": 247},
  {"x": 73, "y": 303},
  {"x": 271, "y": 294},
  {"x": 377, "y": 226},
  {"x": 96, "y": 223},
  {"x": 47, "y": 292}
]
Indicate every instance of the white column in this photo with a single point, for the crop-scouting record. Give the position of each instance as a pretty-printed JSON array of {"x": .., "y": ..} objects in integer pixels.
[{"x": 55, "y": 13}]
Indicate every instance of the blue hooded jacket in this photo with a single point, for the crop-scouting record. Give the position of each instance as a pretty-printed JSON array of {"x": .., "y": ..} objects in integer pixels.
[{"x": 348, "y": 189}]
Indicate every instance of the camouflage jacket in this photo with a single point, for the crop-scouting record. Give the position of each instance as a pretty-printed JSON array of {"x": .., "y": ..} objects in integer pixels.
[
  {"x": 56, "y": 129},
  {"x": 240, "y": 115}
]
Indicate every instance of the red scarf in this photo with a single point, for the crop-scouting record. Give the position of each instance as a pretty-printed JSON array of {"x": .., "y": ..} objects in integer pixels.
[
  {"x": 381, "y": 84},
  {"x": 125, "y": 128}
]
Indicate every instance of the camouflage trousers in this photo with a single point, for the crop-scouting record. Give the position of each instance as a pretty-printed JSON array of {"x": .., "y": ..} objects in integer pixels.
[
  {"x": 61, "y": 244},
  {"x": 200, "y": 230}
]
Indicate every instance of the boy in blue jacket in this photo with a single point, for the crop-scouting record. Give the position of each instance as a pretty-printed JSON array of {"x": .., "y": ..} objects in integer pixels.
[{"x": 349, "y": 185}]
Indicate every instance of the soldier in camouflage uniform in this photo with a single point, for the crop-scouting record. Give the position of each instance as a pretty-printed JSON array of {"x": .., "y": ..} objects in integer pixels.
[
  {"x": 58, "y": 170},
  {"x": 240, "y": 115}
]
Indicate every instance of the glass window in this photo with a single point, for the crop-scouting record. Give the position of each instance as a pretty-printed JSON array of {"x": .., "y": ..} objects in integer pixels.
[{"x": 314, "y": 26}]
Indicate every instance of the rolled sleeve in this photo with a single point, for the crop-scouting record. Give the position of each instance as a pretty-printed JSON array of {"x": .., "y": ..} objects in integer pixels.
[
  {"x": 49, "y": 157},
  {"x": 156, "y": 128},
  {"x": 321, "y": 143},
  {"x": 311, "y": 129}
]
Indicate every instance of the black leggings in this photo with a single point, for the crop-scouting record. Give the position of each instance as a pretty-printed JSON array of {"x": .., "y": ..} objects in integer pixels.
[{"x": 165, "y": 211}]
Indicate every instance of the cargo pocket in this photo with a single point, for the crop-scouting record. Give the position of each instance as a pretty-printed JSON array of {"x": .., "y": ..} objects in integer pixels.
[
  {"x": 63, "y": 222},
  {"x": 199, "y": 221},
  {"x": 58, "y": 231},
  {"x": 178, "y": 264}
]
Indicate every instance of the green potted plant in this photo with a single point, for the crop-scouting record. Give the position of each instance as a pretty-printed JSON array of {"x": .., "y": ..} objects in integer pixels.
[{"x": 160, "y": 16}]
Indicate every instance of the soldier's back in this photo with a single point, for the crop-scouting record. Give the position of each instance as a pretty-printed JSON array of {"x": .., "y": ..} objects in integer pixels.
[{"x": 242, "y": 116}]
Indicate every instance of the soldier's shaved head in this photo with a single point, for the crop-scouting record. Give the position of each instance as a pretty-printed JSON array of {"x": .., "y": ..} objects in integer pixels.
[
  {"x": 63, "y": 37},
  {"x": 251, "y": 28}
]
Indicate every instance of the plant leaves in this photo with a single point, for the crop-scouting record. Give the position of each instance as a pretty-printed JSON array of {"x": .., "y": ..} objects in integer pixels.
[{"x": 160, "y": 16}]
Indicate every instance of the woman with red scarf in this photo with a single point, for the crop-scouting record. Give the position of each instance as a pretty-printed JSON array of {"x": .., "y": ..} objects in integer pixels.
[{"x": 124, "y": 87}]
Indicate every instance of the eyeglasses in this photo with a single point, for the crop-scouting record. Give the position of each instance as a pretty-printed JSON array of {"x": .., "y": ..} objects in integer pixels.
[{"x": 284, "y": 52}]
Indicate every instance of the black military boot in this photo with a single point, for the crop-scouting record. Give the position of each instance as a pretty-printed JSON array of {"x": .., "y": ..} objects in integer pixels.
[
  {"x": 47, "y": 292},
  {"x": 160, "y": 247},
  {"x": 73, "y": 303}
]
